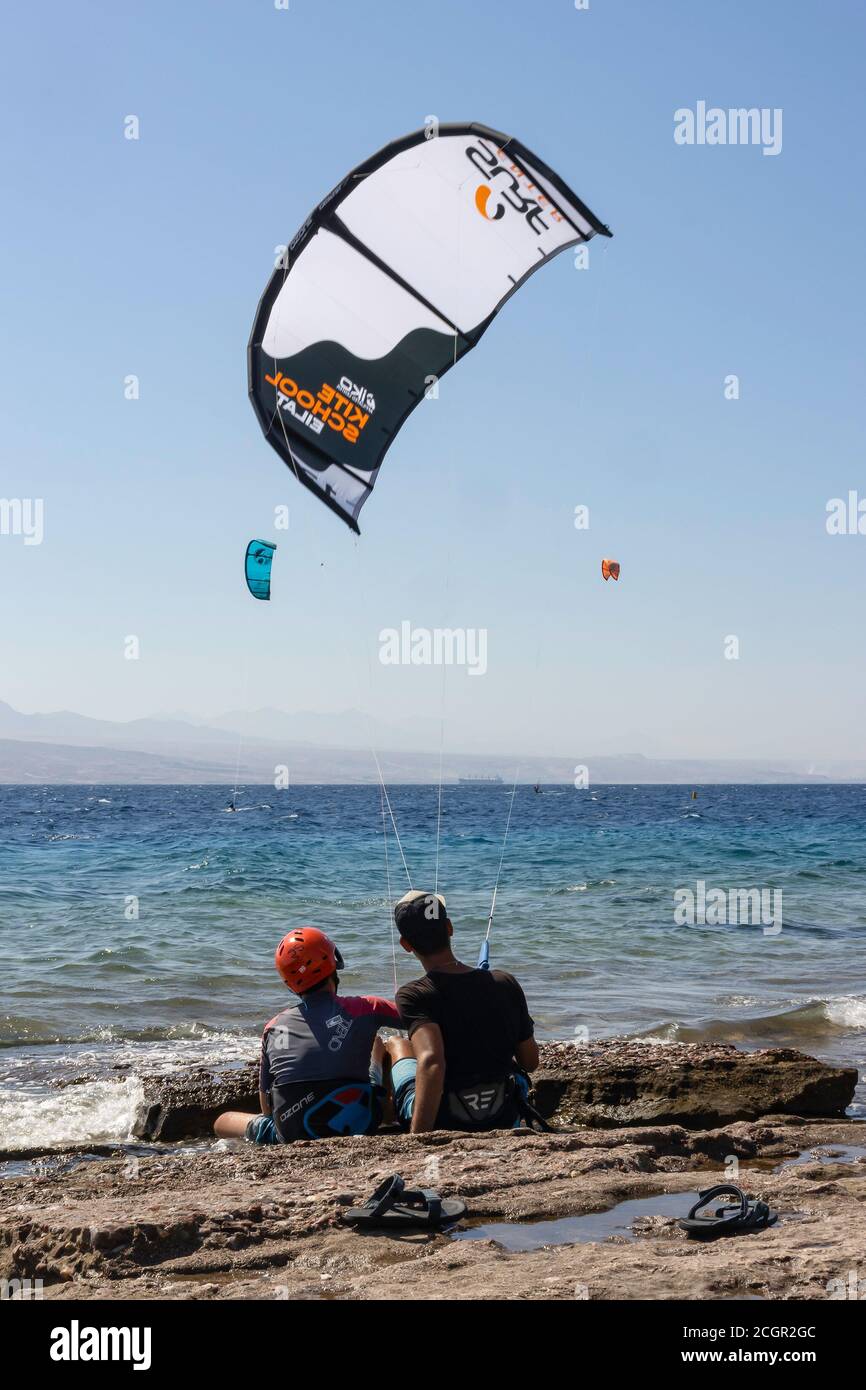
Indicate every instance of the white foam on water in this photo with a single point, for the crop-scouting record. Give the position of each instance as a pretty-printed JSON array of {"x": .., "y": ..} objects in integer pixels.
[
  {"x": 756, "y": 1001},
  {"x": 848, "y": 1011},
  {"x": 96, "y": 1112},
  {"x": 182, "y": 1046}
]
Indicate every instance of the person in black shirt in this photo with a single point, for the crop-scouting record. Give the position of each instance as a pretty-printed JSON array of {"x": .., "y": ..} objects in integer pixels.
[{"x": 470, "y": 1033}]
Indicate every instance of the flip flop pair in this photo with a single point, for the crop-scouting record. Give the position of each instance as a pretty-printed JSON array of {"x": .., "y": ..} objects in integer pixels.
[
  {"x": 395, "y": 1206},
  {"x": 747, "y": 1214}
]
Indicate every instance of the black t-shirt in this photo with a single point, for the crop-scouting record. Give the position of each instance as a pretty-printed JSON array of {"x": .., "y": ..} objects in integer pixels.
[{"x": 482, "y": 1015}]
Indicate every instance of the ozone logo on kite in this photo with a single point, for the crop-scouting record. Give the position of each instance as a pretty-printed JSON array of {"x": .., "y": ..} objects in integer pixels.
[
  {"x": 482, "y": 198},
  {"x": 518, "y": 190}
]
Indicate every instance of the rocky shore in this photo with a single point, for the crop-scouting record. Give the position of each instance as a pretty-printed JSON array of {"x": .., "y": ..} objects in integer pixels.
[{"x": 202, "y": 1221}]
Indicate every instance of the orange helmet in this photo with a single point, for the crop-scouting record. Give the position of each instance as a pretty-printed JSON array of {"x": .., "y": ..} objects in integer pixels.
[{"x": 305, "y": 957}]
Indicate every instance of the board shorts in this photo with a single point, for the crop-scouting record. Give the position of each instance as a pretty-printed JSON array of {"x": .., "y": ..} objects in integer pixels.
[
  {"x": 403, "y": 1081},
  {"x": 262, "y": 1130}
]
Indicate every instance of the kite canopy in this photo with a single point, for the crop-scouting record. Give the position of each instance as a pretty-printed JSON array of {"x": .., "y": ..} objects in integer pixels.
[
  {"x": 610, "y": 569},
  {"x": 257, "y": 568},
  {"x": 393, "y": 277}
]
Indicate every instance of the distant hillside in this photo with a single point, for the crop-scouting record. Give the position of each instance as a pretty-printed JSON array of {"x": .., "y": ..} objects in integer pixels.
[
  {"x": 31, "y": 760},
  {"x": 348, "y": 728},
  {"x": 63, "y": 726},
  {"x": 323, "y": 747}
]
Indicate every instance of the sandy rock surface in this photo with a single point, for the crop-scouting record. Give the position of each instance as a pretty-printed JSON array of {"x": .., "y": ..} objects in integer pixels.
[{"x": 243, "y": 1222}]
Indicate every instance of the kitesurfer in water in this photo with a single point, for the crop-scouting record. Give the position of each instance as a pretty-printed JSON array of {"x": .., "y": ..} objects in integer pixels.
[
  {"x": 315, "y": 1078},
  {"x": 471, "y": 1039}
]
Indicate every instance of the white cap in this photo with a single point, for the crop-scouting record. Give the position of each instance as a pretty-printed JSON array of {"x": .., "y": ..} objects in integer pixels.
[{"x": 415, "y": 893}]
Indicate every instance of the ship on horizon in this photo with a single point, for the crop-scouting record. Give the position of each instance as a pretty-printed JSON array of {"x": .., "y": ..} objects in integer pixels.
[{"x": 484, "y": 781}]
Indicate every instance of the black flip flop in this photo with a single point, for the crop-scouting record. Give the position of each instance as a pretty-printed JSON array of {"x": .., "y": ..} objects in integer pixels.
[
  {"x": 749, "y": 1214},
  {"x": 396, "y": 1206}
]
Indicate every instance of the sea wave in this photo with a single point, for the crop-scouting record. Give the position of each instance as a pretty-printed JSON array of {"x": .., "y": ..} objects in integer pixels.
[
  {"x": 581, "y": 887},
  {"x": 814, "y": 1022},
  {"x": 17, "y": 1032}
]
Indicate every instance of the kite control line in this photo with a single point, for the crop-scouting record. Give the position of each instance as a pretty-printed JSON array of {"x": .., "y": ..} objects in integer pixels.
[{"x": 484, "y": 953}]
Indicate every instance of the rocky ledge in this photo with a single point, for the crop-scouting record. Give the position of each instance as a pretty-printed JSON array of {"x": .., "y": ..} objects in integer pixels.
[
  {"x": 699, "y": 1085},
  {"x": 600, "y": 1085}
]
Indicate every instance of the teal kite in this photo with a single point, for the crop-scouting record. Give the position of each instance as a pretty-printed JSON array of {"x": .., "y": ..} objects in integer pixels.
[{"x": 257, "y": 568}]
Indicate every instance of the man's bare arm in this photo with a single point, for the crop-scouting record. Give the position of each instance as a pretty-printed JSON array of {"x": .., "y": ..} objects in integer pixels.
[
  {"x": 527, "y": 1054},
  {"x": 429, "y": 1078}
]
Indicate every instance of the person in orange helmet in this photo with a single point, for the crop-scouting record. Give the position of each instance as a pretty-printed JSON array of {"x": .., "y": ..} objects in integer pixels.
[{"x": 316, "y": 1079}]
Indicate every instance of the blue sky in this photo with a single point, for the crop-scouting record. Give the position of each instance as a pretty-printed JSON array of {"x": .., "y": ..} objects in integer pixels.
[{"x": 602, "y": 387}]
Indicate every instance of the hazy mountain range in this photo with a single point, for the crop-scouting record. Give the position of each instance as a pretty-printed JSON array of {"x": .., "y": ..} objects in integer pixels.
[{"x": 325, "y": 747}]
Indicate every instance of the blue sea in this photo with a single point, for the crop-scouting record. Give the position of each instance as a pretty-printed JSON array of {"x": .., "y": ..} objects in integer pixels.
[{"x": 139, "y": 923}]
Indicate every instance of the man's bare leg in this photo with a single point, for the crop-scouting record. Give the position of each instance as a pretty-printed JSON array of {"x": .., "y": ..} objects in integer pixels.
[
  {"x": 232, "y": 1124},
  {"x": 398, "y": 1048}
]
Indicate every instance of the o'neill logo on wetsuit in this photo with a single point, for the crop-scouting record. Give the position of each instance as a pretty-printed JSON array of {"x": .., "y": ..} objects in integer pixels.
[{"x": 342, "y": 1027}]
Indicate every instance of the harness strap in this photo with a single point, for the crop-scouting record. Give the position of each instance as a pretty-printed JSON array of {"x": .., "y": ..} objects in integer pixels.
[{"x": 533, "y": 1118}]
